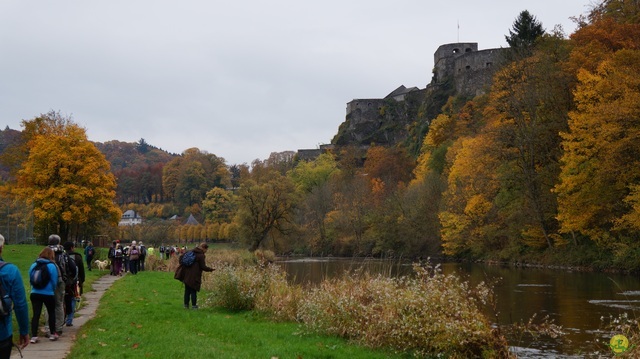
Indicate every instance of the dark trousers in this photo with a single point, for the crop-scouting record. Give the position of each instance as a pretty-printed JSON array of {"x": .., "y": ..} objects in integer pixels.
[
  {"x": 133, "y": 266},
  {"x": 5, "y": 348},
  {"x": 190, "y": 293},
  {"x": 49, "y": 301}
]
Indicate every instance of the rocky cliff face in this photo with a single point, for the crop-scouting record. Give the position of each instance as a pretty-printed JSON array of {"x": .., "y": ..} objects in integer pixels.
[
  {"x": 403, "y": 116},
  {"x": 388, "y": 122}
]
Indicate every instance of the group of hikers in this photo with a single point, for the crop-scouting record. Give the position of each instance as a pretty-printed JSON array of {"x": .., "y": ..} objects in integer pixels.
[
  {"x": 128, "y": 258},
  {"x": 56, "y": 279}
]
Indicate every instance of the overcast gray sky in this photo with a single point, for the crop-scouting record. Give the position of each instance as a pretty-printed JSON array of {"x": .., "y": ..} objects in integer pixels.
[{"x": 239, "y": 79}]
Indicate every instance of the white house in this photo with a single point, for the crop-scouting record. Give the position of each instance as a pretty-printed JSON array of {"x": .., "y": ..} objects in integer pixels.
[{"x": 130, "y": 218}]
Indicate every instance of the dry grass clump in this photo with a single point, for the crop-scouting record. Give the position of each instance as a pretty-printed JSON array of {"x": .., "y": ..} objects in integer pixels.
[
  {"x": 428, "y": 314},
  {"x": 231, "y": 257},
  {"x": 154, "y": 263},
  {"x": 260, "y": 288}
]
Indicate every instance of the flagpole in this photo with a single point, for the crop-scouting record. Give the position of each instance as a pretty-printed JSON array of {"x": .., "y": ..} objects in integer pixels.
[{"x": 458, "y": 30}]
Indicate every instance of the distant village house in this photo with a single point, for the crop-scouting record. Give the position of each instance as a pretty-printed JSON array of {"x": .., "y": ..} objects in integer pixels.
[{"x": 130, "y": 218}]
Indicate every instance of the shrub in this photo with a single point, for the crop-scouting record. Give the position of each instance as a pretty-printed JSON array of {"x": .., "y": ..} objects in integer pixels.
[
  {"x": 430, "y": 314},
  {"x": 427, "y": 314},
  {"x": 234, "y": 288},
  {"x": 260, "y": 288}
]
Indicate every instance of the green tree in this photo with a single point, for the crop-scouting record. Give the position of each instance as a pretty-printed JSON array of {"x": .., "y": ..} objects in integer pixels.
[
  {"x": 525, "y": 31},
  {"x": 66, "y": 180}
]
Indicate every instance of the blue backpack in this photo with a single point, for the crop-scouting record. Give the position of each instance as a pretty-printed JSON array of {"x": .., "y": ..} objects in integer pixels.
[{"x": 188, "y": 259}]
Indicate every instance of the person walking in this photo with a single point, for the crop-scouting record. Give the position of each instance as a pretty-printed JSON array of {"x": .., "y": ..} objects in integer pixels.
[
  {"x": 68, "y": 272},
  {"x": 12, "y": 283},
  {"x": 191, "y": 275},
  {"x": 143, "y": 255},
  {"x": 45, "y": 295},
  {"x": 89, "y": 253},
  {"x": 74, "y": 290},
  {"x": 118, "y": 260},
  {"x": 111, "y": 255},
  {"x": 134, "y": 258}
]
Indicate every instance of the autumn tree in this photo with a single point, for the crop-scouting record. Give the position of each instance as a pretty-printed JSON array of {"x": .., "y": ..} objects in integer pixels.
[
  {"x": 265, "y": 209},
  {"x": 187, "y": 178},
  {"x": 469, "y": 216},
  {"x": 218, "y": 206},
  {"x": 313, "y": 181},
  {"x": 528, "y": 107},
  {"x": 597, "y": 193},
  {"x": 66, "y": 179},
  {"x": 600, "y": 173}
]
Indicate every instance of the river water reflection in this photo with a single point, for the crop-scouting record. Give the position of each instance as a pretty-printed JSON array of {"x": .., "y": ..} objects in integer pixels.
[{"x": 574, "y": 300}]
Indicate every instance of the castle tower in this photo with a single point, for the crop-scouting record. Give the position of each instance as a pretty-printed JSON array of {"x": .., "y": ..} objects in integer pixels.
[{"x": 444, "y": 59}]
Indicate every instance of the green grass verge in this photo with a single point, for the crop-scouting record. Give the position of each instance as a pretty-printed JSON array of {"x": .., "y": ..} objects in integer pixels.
[{"x": 142, "y": 317}]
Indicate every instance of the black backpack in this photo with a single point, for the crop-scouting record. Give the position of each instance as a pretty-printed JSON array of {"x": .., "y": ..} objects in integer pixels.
[
  {"x": 67, "y": 266},
  {"x": 6, "y": 303},
  {"x": 40, "y": 276}
]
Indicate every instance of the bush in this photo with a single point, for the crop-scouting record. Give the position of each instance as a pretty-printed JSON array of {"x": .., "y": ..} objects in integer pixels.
[
  {"x": 260, "y": 288},
  {"x": 428, "y": 314}
]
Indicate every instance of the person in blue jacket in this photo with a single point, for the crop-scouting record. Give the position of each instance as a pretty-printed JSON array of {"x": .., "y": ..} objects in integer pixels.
[
  {"x": 45, "y": 295},
  {"x": 12, "y": 283}
]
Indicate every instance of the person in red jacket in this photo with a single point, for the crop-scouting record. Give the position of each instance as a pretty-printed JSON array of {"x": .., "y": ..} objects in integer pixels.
[{"x": 191, "y": 275}]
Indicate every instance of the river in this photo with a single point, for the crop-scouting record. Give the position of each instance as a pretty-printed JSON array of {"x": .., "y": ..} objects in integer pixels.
[{"x": 576, "y": 301}]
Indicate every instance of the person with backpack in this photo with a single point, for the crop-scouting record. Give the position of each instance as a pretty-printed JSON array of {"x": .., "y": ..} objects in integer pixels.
[
  {"x": 190, "y": 271},
  {"x": 44, "y": 277},
  {"x": 118, "y": 260},
  {"x": 125, "y": 257},
  {"x": 134, "y": 258},
  {"x": 12, "y": 286},
  {"x": 73, "y": 291},
  {"x": 89, "y": 253},
  {"x": 143, "y": 255},
  {"x": 112, "y": 255},
  {"x": 68, "y": 273}
]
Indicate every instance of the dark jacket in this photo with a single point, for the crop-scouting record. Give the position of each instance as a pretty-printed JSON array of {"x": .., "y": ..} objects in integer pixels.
[
  {"x": 192, "y": 275},
  {"x": 77, "y": 258}
]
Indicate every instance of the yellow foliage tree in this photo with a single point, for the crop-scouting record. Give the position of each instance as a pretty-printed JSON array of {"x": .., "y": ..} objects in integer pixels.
[
  {"x": 67, "y": 180},
  {"x": 601, "y": 162}
]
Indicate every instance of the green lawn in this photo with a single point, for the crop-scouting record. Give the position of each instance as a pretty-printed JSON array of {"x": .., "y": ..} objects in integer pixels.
[{"x": 142, "y": 317}]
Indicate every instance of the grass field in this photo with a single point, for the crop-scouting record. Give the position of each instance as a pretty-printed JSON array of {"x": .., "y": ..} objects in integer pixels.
[{"x": 142, "y": 317}]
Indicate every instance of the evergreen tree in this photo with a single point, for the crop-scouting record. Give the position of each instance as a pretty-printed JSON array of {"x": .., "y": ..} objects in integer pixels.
[{"x": 525, "y": 31}]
